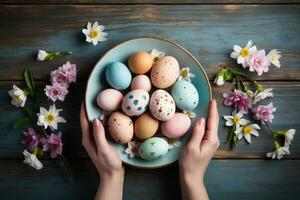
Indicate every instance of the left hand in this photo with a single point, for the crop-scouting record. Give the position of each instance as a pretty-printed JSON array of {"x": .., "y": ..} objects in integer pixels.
[{"x": 104, "y": 157}]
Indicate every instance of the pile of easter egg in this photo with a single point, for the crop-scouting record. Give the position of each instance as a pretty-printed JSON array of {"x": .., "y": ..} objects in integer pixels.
[{"x": 130, "y": 119}]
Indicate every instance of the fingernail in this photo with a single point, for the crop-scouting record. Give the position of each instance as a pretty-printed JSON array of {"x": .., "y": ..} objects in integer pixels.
[
  {"x": 97, "y": 122},
  {"x": 202, "y": 122}
]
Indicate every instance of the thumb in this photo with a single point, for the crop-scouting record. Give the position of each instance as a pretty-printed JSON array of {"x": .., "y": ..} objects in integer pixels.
[
  {"x": 198, "y": 132},
  {"x": 99, "y": 134}
]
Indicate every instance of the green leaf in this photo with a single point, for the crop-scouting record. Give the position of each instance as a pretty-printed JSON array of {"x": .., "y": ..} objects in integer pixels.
[
  {"x": 29, "y": 80},
  {"x": 21, "y": 122},
  {"x": 227, "y": 75}
]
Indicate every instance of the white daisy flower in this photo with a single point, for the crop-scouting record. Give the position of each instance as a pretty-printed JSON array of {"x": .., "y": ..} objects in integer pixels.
[
  {"x": 185, "y": 74},
  {"x": 235, "y": 120},
  {"x": 18, "y": 96},
  {"x": 289, "y": 136},
  {"x": 279, "y": 152},
  {"x": 173, "y": 143},
  {"x": 32, "y": 160},
  {"x": 132, "y": 149},
  {"x": 243, "y": 54},
  {"x": 157, "y": 54},
  {"x": 190, "y": 114},
  {"x": 274, "y": 57},
  {"x": 219, "y": 80},
  {"x": 50, "y": 118},
  {"x": 94, "y": 33},
  {"x": 247, "y": 131},
  {"x": 260, "y": 95}
]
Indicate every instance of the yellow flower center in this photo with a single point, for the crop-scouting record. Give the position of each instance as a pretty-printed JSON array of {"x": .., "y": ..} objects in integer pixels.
[
  {"x": 236, "y": 120},
  {"x": 273, "y": 58},
  {"x": 184, "y": 73},
  {"x": 245, "y": 52},
  {"x": 94, "y": 33},
  {"x": 49, "y": 118},
  {"x": 247, "y": 130}
]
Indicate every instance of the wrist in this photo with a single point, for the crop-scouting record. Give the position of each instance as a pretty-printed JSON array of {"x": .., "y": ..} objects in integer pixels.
[
  {"x": 113, "y": 177},
  {"x": 191, "y": 178},
  {"x": 111, "y": 185}
]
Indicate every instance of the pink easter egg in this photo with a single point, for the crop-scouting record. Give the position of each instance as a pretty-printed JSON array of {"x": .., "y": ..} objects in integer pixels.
[
  {"x": 109, "y": 99},
  {"x": 135, "y": 102},
  {"x": 176, "y": 126},
  {"x": 141, "y": 82}
]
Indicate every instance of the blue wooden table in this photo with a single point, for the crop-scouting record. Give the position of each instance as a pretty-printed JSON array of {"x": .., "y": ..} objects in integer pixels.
[{"x": 208, "y": 29}]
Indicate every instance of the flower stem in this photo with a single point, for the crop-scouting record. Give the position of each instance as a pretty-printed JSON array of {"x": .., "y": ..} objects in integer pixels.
[
  {"x": 239, "y": 74},
  {"x": 268, "y": 126},
  {"x": 64, "y": 162}
]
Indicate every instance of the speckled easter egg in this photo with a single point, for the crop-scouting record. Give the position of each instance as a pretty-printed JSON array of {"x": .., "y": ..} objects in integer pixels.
[
  {"x": 145, "y": 126},
  {"x": 109, "y": 99},
  {"x": 177, "y": 126},
  {"x": 140, "y": 62},
  {"x": 185, "y": 95},
  {"x": 118, "y": 75},
  {"x": 141, "y": 82},
  {"x": 120, "y": 127},
  {"x": 162, "y": 105},
  {"x": 135, "y": 102},
  {"x": 165, "y": 72},
  {"x": 153, "y": 148}
]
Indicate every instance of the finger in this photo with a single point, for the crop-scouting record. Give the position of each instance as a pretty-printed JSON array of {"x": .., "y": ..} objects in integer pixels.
[
  {"x": 213, "y": 122},
  {"x": 86, "y": 136},
  {"x": 99, "y": 135},
  {"x": 198, "y": 132}
]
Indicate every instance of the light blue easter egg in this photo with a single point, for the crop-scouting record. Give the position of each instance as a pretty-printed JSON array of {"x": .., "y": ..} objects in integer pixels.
[
  {"x": 185, "y": 95},
  {"x": 153, "y": 148},
  {"x": 118, "y": 75}
]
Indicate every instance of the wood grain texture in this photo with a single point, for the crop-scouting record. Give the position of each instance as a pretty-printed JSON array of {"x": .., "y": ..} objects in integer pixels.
[
  {"x": 274, "y": 180},
  {"x": 207, "y": 31},
  {"x": 159, "y": 2},
  {"x": 287, "y": 101}
]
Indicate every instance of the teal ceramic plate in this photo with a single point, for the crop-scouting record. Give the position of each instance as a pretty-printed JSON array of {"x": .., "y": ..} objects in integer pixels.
[{"x": 121, "y": 53}]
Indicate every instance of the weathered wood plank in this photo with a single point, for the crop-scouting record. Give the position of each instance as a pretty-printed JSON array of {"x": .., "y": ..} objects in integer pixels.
[
  {"x": 207, "y": 31},
  {"x": 287, "y": 101},
  {"x": 99, "y": 2},
  {"x": 224, "y": 178}
]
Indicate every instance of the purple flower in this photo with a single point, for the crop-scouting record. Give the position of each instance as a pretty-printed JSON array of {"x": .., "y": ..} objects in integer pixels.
[
  {"x": 56, "y": 91},
  {"x": 53, "y": 144},
  {"x": 70, "y": 71},
  {"x": 32, "y": 139},
  {"x": 259, "y": 62},
  {"x": 264, "y": 112},
  {"x": 59, "y": 76},
  {"x": 64, "y": 75},
  {"x": 238, "y": 99}
]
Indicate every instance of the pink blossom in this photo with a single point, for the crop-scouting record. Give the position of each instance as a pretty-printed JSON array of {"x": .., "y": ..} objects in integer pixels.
[
  {"x": 259, "y": 62},
  {"x": 53, "y": 144},
  {"x": 59, "y": 76},
  {"x": 70, "y": 71},
  {"x": 238, "y": 99},
  {"x": 65, "y": 74},
  {"x": 264, "y": 112},
  {"x": 56, "y": 91},
  {"x": 32, "y": 139}
]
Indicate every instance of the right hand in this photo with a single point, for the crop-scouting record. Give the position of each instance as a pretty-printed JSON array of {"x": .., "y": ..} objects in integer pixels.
[{"x": 203, "y": 144}]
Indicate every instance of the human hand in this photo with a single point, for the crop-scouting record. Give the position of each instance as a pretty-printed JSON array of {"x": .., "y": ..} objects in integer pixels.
[
  {"x": 197, "y": 154},
  {"x": 104, "y": 157}
]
